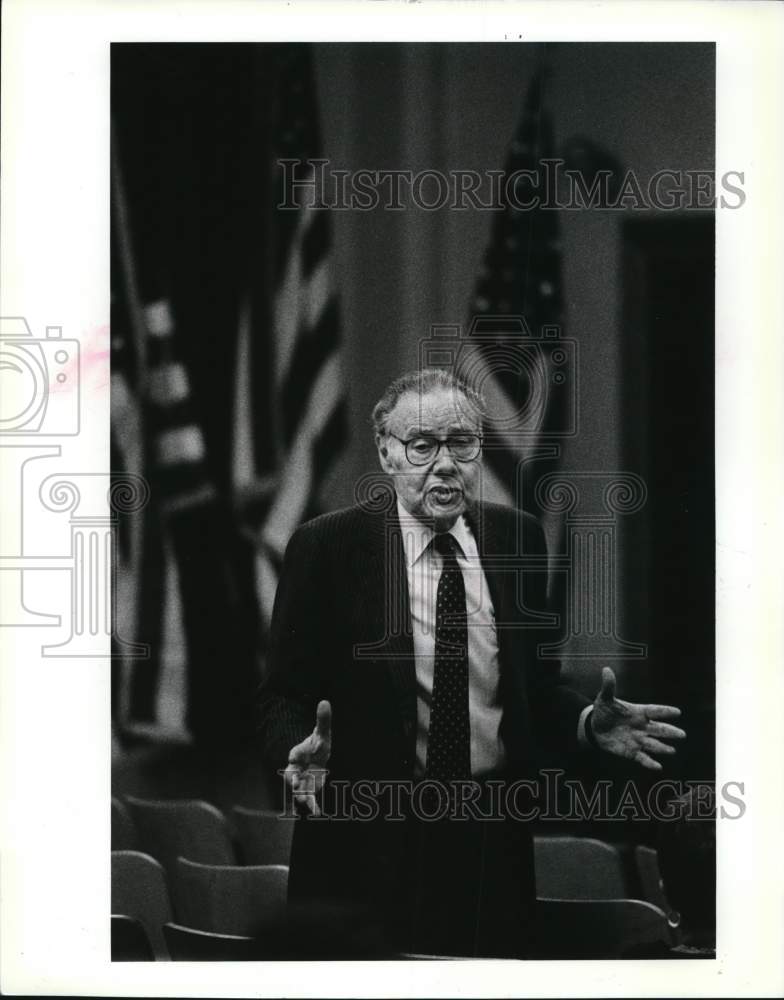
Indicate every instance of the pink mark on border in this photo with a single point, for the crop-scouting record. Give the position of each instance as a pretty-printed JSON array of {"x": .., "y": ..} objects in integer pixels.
[{"x": 94, "y": 354}]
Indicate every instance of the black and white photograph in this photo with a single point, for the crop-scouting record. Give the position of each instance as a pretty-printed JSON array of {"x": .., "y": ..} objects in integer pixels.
[
  {"x": 409, "y": 538},
  {"x": 382, "y": 311}
]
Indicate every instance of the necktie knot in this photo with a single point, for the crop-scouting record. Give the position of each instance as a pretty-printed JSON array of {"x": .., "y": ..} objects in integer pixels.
[{"x": 445, "y": 544}]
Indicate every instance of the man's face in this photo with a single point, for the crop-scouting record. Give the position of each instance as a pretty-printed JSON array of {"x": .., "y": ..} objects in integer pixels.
[{"x": 441, "y": 490}]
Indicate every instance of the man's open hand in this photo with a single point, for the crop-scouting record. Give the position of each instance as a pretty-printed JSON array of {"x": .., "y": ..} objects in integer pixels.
[
  {"x": 633, "y": 731},
  {"x": 306, "y": 772}
]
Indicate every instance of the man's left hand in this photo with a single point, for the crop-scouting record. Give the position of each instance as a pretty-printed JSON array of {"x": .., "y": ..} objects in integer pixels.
[{"x": 634, "y": 731}]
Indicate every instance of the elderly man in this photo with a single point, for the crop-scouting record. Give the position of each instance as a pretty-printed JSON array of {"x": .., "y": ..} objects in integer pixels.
[{"x": 406, "y": 632}]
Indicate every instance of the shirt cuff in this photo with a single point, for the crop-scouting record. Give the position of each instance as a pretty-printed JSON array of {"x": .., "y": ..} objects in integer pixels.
[{"x": 583, "y": 738}]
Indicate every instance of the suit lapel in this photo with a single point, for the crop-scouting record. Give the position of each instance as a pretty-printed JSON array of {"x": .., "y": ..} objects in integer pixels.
[
  {"x": 491, "y": 546},
  {"x": 389, "y": 611},
  {"x": 495, "y": 548}
]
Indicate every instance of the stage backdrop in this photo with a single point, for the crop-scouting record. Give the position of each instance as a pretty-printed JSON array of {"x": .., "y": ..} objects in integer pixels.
[{"x": 250, "y": 344}]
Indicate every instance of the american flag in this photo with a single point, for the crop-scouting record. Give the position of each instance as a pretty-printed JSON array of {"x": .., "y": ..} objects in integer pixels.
[
  {"x": 156, "y": 433},
  {"x": 516, "y": 318},
  {"x": 226, "y": 367},
  {"x": 304, "y": 405}
]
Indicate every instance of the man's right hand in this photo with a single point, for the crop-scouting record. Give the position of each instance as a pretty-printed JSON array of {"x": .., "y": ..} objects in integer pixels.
[{"x": 306, "y": 771}]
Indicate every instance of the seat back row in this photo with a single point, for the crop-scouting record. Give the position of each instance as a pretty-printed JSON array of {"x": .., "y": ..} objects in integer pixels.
[
  {"x": 227, "y": 899},
  {"x": 195, "y": 855},
  {"x": 564, "y": 929},
  {"x": 194, "y": 829},
  {"x": 567, "y": 867}
]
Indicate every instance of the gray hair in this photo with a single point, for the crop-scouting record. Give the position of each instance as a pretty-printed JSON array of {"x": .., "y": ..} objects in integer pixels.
[{"x": 420, "y": 382}]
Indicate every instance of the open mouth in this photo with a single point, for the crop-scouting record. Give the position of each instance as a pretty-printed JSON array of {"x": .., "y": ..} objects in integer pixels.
[{"x": 444, "y": 496}]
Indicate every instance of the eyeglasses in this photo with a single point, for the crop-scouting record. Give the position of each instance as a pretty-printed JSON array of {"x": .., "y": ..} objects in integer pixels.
[{"x": 423, "y": 449}]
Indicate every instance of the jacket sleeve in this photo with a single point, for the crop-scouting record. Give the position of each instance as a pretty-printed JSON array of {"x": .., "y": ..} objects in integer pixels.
[
  {"x": 555, "y": 707},
  {"x": 295, "y": 680}
]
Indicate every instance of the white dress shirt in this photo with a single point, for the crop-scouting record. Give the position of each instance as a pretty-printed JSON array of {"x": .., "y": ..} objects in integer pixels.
[{"x": 423, "y": 568}]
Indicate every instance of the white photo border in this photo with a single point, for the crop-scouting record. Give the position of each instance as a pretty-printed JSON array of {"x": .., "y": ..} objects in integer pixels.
[{"x": 54, "y": 713}]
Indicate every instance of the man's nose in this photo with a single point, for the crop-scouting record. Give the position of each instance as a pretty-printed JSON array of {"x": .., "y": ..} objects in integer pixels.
[{"x": 444, "y": 460}]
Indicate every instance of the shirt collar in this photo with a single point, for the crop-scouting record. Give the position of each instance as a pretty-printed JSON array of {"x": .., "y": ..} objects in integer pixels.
[{"x": 417, "y": 536}]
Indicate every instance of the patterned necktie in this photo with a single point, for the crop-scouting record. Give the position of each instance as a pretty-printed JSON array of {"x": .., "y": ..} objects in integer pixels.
[{"x": 449, "y": 737}]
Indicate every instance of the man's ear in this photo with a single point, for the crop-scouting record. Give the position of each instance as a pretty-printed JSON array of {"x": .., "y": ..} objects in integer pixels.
[{"x": 383, "y": 454}]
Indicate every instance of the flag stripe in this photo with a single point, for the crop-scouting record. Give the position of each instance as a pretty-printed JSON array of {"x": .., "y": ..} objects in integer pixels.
[
  {"x": 313, "y": 349},
  {"x": 330, "y": 440},
  {"x": 315, "y": 242},
  {"x": 317, "y": 294},
  {"x": 266, "y": 584},
  {"x": 167, "y": 418},
  {"x": 291, "y": 501},
  {"x": 180, "y": 477},
  {"x": 286, "y": 314},
  {"x": 242, "y": 471},
  {"x": 305, "y": 396}
]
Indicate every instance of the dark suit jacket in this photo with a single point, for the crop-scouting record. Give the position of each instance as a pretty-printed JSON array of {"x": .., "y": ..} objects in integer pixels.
[{"x": 341, "y": 631}]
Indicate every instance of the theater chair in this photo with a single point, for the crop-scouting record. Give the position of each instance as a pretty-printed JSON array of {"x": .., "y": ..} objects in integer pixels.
[
  {"x": 583, "y": 929},
  {"x": 578, "y": 868},
  {"x": 229, "y": 899},
  {"x": 139, "y": 890},
  {"x": 188, "y": 945},
  {"x": 264, "y": 835},
  {"x": 123, "y": 831},
  {"x": 129, "y": 940},
  {"x": 172, "y": 828},
  {"x": 647, "y": 861}
]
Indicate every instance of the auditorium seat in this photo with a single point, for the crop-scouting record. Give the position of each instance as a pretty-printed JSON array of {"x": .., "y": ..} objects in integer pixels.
[
  {"x": 139, "y": 890},
  {"x": 123, "y": 830},
  {"x": 129, "y": 940},
  {"x": 230, "y": 899},
  {"x": 590, "y": 928},
  {"x": 578, "y": 868},
  {"x": 264, "y": 835},
  {"x": 189, "y": 945},
  {"x": 647, "y": 861},
  {"x": 188, "y": 828}
]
